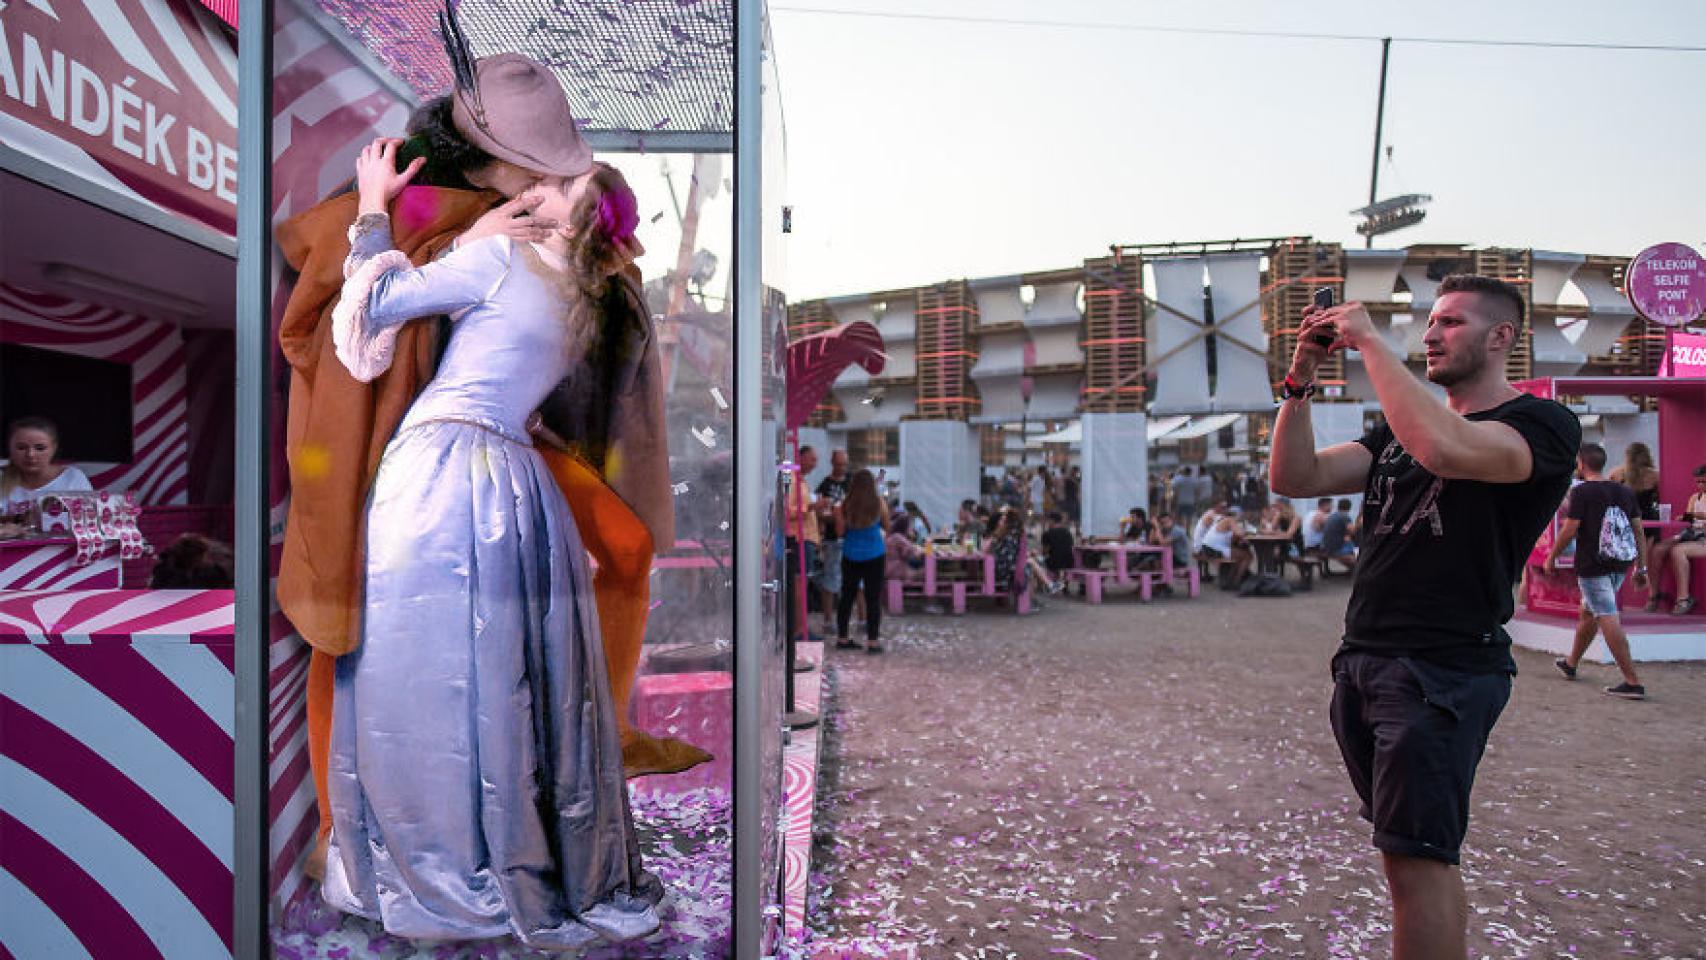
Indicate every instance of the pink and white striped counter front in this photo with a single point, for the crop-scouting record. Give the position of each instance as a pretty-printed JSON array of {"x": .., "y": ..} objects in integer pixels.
[
  {"x": 116, "y": 773},
  {"x": 50, "y": 563}
]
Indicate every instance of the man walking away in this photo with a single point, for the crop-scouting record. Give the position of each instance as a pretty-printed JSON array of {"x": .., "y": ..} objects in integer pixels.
[
  {"x": 1600, "y": 521},
  {"x": 1185, "y": 496},
  {"x": 1454, "y": 495}
]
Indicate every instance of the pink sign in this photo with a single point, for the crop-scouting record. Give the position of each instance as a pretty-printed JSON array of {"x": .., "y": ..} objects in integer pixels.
[
  {"x": 1685, "y": 356},
  {"x": 1666, "y": 283},
  {"x": 140, "y": 97}
]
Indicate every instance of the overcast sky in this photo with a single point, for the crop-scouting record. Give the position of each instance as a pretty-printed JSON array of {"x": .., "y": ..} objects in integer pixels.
[{"x": 922, "y": 151}]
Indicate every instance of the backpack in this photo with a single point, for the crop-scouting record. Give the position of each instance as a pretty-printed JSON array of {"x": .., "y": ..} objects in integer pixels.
[{"x": 1616, "y": 537}]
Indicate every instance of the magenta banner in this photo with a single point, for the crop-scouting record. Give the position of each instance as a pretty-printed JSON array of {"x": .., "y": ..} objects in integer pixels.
[
  {"x": 1667, "y": 284},
  {"x": 1685, "y": 356},
  {"x": 137, "y": 97}
]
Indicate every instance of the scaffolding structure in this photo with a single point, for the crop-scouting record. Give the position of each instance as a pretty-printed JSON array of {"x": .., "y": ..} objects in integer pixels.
[
  {"x": 1296, "y": 269},
  {"x": 1115, "y": 338},
  {"x": 947, "y": 315},
  {"x": 1087, "y": 329}
]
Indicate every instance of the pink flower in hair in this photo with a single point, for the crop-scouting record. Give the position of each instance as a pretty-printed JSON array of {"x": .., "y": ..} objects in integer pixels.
[{"x": 618, "y": 214}]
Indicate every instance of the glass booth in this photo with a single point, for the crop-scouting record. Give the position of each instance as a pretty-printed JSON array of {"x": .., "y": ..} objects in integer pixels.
[{"x": 433, "y": 625}]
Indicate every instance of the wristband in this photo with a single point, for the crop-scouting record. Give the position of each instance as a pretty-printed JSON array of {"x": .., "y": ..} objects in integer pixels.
[{"x": 1291, "y": 390}]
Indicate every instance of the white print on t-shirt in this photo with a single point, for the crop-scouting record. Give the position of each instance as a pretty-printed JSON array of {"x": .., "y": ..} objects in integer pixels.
[{"x": 1380, "y": 492}]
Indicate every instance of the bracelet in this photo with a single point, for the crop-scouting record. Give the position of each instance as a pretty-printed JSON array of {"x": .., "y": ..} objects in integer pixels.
[{"x": 1291, "y": 390}]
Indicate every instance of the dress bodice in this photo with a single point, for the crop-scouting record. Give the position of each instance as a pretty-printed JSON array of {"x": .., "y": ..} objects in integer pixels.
[{"x": 506, "y": 352}]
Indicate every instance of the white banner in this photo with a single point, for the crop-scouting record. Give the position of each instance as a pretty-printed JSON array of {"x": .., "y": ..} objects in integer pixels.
[
  {"x": 1116, "y": 470},
  {"x": 1241, "y": 381},
  {"x": 1181, "y": 383},
  {"x": 941, "y": 460}
]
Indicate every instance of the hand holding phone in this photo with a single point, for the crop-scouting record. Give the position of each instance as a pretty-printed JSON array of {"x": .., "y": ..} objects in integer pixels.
[{"x": 1324, "y": 300}]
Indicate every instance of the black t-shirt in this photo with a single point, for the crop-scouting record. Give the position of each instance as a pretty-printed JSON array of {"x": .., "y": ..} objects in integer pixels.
[
  {"x": 1439, "y": 557},
  {"x": 1057, "y": 541},
  {"x": 836, "y": 491},
  {"x": 1587, "y": 506}
]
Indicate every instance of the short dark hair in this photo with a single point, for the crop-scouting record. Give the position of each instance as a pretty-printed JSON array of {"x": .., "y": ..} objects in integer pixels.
[
  {"x": 1592, "y": 456},
  {"x": 1324, "y": 502},
  {"x": 1344, "y": 503},
  {"x": 1700, "y": 471},
  {"x": 449, "y": 155},
  {"x": 1492, "y": 288},
  {"x": 808, "y": 448},
  {"x": 1055, "y": 516}
]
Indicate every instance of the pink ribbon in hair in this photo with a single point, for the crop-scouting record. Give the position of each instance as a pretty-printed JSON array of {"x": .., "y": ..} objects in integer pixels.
[{"x": 618, "y": 215}]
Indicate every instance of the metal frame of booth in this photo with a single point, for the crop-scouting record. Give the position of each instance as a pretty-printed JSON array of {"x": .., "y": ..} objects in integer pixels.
[{"x": 253, "y": 533}]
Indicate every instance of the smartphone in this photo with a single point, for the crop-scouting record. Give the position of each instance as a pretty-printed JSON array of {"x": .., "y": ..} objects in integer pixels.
[{"x": 1323, "y": 300}]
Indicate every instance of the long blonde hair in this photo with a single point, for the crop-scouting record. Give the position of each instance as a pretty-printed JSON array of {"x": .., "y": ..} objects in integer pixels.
[{"x": 1637, "y": 464}]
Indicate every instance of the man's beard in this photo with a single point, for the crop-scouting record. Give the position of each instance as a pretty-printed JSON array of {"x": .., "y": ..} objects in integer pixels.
[{"x": 1467, "y": 367}]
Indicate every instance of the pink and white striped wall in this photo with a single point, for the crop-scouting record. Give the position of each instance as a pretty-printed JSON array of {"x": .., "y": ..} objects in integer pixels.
[
  {"x": 116, "y": 752},
  {"x": 154, "y": 349}
]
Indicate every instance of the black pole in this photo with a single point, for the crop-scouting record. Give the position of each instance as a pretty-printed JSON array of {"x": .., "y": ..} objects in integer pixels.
[{"x": 1379, "y": 121}]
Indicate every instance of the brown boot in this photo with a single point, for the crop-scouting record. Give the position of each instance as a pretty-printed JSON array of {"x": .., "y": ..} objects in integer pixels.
[
  {"x": 644, "y": 754},
  {"x": 314, "y": 867}
]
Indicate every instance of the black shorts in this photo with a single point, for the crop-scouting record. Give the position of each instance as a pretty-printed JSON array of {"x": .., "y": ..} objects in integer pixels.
[{"x": 1411, "y": 734}]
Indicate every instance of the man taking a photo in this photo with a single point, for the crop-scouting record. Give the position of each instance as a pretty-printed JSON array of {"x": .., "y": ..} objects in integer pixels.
[{"x": 1454, "y": 495}]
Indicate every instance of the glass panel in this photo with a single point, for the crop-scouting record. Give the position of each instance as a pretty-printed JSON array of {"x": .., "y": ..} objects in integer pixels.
[
  {"x": 473, "y": 561},
  {"x": 776, "y": 811},
  {"x": 117, "y": 363}
]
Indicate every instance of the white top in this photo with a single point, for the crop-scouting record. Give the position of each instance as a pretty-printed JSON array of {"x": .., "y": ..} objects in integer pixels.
[
  {"x": 1036, "y": 491},
  {"x": 1220, "y": 540},
  {"x": 70, "y": 480},
  {"x": 1313, "y": 528}
]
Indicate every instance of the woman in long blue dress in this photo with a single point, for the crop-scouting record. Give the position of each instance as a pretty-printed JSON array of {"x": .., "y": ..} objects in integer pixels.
[{"x": 476, "y": 775}]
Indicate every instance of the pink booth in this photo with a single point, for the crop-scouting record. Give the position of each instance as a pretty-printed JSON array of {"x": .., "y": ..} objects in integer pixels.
[{"x": 1681, "y": 393}]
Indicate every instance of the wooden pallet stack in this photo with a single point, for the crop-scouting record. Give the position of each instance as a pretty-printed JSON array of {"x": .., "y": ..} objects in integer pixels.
[
  {"x": 1115, "y": 344},
  {"x": 1296, "y": 269},
  {"x": 805, "y": 319},
  {"x": 947, "y": 315},
  {"x": 1515, "y": 267}
]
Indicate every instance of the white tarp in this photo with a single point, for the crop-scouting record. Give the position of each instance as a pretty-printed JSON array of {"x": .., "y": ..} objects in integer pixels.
[
  {"x": 1201, "y": 427},
  {"x": 1000, "y": 365},
  {"x": 1165, "y": 425},
  {"x": 1116, "y": 469},
  {"x": 1241, "y": 382},
  {"x": 1054, "y": 396},
  {"x": 1181, "y": 381},
  {"x": 1072, "y": 433},
  {"x": 941, "y": 459}
]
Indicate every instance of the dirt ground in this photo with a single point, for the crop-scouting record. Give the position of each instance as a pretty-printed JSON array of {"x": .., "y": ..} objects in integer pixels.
[{"x": 1130, "y": 781}]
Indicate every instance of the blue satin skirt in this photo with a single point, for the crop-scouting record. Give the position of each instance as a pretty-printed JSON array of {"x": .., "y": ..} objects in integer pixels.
[{"x": 476, "y": 772}]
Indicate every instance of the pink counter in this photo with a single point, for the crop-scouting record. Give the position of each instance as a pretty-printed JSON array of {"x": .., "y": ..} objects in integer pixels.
[
  {"x": 48, "y": 562},
  {"x": 116, "y": 772}
]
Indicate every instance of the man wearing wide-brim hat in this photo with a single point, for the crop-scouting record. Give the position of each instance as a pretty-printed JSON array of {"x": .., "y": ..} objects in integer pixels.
[{"x": 496, "y": 135}]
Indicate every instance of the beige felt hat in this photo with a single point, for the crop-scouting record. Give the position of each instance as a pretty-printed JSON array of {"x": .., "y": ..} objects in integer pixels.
[{"x": 519, "y": 113}]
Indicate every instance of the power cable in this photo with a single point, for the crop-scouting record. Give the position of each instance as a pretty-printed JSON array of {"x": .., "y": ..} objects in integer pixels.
[{"x": 1230, "y": 32}]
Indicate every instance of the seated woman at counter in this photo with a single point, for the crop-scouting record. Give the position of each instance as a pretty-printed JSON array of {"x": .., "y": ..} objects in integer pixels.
[
  {"x": 1677, "y": 551},
  {"x": 32, "y": 445},
  {"x": 1640, "y": 475}
]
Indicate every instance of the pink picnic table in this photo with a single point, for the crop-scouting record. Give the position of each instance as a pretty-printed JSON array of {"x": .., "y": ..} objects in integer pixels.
[
  {"x": 932, "y": 558},
  {"x": 1123, "y": 551}
]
